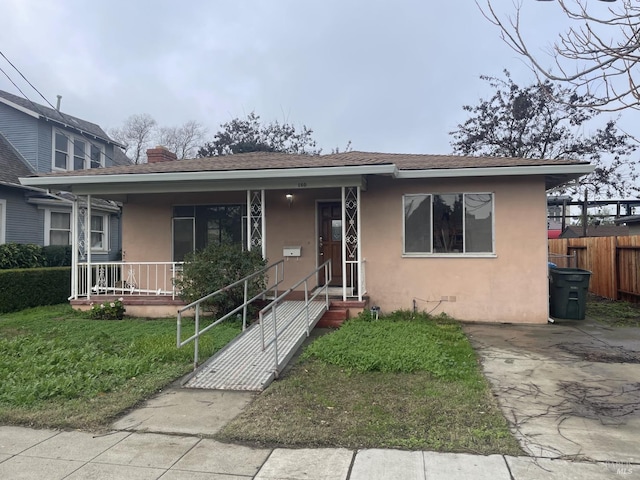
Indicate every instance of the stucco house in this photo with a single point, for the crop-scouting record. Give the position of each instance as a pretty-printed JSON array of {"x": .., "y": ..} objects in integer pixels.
[
  {"x": 461, "y": 235},
  {"x": 35, "y": 139}
]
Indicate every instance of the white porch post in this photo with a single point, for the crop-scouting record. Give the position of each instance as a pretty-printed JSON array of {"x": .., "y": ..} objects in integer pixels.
[
  {"x": 351, "y": 244},
  {"x": 87, "y": 240},
  {"x": 256, "y": 221},
  {"x": 74, "y": 248},
  {"x": 343, "y": 223}
]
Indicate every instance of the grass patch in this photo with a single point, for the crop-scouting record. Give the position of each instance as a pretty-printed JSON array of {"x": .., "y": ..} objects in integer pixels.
[
  {"x": 59, "y": 369},
  {"x": 399, "y": 382},
  {"x": 613, "y": 312}
]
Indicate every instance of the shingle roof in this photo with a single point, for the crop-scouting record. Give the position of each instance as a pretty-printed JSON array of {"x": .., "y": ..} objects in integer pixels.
[
  {"x": 53, "y": 114},
  {"x": 275, "y": 160},
  {"x": 12, "y": 165}
]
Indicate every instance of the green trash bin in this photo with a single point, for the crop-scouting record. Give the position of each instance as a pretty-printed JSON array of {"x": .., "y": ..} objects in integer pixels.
[{"x": 568, "y": 288}]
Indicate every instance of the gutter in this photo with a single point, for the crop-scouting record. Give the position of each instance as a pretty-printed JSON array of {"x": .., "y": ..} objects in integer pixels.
[
  {"x": 200, "y": 176},
  {"x": 576, "y": 169}
]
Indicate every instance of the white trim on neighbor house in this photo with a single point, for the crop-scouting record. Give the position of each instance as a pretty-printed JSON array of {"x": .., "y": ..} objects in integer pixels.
[
  {"x": 9, "y": 103},
  {"x": 3, "y": 220}
]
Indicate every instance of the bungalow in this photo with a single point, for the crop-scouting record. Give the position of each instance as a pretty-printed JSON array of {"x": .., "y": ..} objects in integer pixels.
[{"x": 461, "y": 235}]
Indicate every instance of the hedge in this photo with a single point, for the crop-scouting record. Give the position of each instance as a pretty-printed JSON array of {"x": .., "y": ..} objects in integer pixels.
[
  {"x": 33, "y": 287},
  {"x": 19, "y": 255}
]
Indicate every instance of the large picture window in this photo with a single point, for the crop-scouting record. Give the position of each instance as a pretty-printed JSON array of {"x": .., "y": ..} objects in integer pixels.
[
  {"x": 452, "y": 224},
  {"x": 75, "y": 153},
  {"x": 195, "y": 227}
]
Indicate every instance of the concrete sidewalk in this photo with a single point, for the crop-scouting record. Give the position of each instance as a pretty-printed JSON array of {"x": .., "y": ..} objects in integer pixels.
[{"x": 51, "y": 455}]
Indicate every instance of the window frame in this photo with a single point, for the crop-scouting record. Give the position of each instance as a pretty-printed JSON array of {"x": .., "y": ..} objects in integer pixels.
[
  {"x": 104, "y": 232},
  {"x": 106, "y": 219},
  {"x": 89, "y": 150},
  {"x": 193, "y": 212},
  {"x": 464, "y": 253}
]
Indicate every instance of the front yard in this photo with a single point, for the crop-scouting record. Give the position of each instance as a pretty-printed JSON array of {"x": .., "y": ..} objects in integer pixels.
[
  {"x": 398, "y": 382},
  {"x": 59, "y": 369}
]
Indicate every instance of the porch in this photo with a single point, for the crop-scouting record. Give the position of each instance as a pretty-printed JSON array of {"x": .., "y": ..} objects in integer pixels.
[
  {"x": 147, "y": 290},
  {"x": 305, "y": 228}
]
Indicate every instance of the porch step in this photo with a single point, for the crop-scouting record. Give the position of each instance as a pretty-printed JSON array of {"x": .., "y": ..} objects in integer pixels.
[{"x": 333, "y": 318}]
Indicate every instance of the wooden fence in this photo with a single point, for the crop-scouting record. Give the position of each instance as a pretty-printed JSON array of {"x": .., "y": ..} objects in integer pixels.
[{"x": 614, "y": 263}]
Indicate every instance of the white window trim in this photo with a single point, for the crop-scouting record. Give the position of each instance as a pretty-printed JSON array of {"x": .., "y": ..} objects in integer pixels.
[
  {"x": 71, "y": 138},
  {"x": 47, "y": 223},
  {"x": 105, "y": 232},
  {"x": 491, "y": 254},
  {"x": 106, "y": 218},
  {"x": 3, "y": 221}
]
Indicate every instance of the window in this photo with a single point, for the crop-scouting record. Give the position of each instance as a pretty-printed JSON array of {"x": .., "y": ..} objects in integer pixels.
[
  {"x": 58, "y": 230},
  {"x": 99, "y": 232},
  {"x": 451, "y": 224},
  {"x": 75, "y": 153},
  {"x": 195, "y": 227}
]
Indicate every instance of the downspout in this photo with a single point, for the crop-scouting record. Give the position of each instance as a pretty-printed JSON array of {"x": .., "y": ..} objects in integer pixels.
[
  {"x": 74, "y": 249},
  {"x": 87, "y": 236},
  {"x": 359, "y": 246},
  {"x": 344, "y": 246}
]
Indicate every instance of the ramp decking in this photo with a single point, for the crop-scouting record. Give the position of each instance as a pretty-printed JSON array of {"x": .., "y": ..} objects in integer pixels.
[{"x": 243, "y": 365}]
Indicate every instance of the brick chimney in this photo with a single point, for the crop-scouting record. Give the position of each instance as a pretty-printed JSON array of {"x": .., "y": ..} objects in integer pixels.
[{"x": 160, "y": 154}]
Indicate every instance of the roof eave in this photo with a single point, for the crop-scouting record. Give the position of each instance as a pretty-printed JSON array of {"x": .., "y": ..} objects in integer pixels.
[{"x": 137, "y": 178}]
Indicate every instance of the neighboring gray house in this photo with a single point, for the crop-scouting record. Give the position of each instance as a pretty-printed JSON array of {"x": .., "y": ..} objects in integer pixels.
[
  {"x": 36, "y": 139},
  {"x": 632, "y": 222}
]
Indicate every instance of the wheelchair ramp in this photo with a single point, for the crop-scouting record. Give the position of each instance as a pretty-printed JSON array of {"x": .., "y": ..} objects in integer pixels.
[{"x": 243, "y": 365}]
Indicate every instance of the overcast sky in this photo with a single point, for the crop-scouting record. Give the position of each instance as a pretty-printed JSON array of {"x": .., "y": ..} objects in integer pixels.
[{"x": 390, "y": 76}]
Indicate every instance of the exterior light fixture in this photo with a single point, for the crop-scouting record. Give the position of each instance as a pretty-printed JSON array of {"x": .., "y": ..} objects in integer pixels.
[{"x": 289, "y": 198}]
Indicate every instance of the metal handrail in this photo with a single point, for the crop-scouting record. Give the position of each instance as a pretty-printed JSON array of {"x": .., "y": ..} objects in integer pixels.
[
  {"x": 273, "y": 307},
  {"x": 279, "y": 278}
]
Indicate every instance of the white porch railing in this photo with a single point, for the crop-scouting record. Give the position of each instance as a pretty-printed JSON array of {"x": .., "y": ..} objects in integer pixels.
[
  {"x": 355, "y": 287},
  {"x": 127, "y": 278}
]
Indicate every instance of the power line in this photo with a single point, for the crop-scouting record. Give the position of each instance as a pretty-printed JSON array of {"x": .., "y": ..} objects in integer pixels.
[{"x": 64, "y": 117}]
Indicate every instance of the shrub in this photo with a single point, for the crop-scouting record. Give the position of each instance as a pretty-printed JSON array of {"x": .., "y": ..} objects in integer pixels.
[
  {"x": 57, "y": 255},
  {"x": 18, "y": 255},
  {"x": 33, "y": 287},
  {"x": 215, "y": 267},
  {"x": 110, "y": 310}
]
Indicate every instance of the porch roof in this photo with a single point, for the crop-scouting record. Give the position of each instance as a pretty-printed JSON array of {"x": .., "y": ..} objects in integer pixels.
[{"x": 278, "y": 170}]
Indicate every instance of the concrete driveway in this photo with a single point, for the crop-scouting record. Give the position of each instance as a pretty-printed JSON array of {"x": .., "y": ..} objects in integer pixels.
[{"x": 569, "y": 390}]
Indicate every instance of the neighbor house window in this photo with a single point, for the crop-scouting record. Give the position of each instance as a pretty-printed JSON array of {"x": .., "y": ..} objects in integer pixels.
[
  {"x": 100, "y": 232},
  {"x": 58, "y": 230},
  {"x": 452, "y": 223},
  {"x": 195, "y": 227},
  {"x": 72, "y": 152}
]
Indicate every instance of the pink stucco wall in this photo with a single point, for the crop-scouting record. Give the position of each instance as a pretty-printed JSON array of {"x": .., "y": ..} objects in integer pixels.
[{"x": 509, "y": 287}]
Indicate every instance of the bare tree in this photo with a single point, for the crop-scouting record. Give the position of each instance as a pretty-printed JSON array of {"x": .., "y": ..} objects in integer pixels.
[
  {"x": 599, "y": 53},
  {"x": 184, "y": 140},
  {"x": 136, "y": 134}
]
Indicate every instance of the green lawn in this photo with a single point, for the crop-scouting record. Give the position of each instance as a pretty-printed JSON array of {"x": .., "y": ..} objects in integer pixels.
[
  {"x": 398, "y": 382},
  {"x": 61, "y": 369}
]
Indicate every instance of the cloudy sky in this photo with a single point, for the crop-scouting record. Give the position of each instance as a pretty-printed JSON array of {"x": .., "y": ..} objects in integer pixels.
[{"x": 389, "y": 76}]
